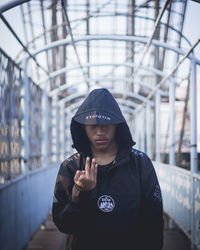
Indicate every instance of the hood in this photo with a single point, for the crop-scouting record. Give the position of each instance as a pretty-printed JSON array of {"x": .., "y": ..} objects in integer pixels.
[{"x": 99, "y": 108}]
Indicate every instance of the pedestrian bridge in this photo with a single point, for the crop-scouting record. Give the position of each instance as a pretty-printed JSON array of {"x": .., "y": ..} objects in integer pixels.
[{"x": 54, "y": 57}]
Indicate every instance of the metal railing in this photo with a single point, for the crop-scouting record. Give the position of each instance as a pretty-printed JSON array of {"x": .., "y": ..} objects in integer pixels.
[
  {"x": 10, "y": 119},
  {"x": 181, "y": 198}
]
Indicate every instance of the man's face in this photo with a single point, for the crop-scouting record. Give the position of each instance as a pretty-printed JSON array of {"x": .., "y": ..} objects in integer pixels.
[{"x": 101, "y": 136}]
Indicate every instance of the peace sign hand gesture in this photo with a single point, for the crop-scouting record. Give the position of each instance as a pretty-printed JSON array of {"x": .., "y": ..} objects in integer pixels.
[{"x": 87, "y": 179}]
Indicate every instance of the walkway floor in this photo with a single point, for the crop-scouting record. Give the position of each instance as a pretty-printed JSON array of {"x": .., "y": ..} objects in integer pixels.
[{"x": 49, "y": 238}]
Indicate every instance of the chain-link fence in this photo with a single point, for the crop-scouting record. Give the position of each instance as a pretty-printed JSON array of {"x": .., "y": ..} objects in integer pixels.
[{"x": 10, "y": 118}]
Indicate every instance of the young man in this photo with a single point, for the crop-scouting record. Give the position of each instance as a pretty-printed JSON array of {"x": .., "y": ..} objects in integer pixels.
[{"x": 107, "y": 196}]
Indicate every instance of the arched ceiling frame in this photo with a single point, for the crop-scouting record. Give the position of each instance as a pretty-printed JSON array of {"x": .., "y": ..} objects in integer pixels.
[
  {"x": 120, "y": 38},
  {"x": 104, "y": 15},
  {"x": 135, "y": 95},
  {"x": 113, "y": 79},
  {"x": 111, "y": 38},
  {"x": 136, "y": 16},
  {"x": 81, "y": 94},
  {"x": 67, "y": 41},
  {"x": 130, "y": 65}
]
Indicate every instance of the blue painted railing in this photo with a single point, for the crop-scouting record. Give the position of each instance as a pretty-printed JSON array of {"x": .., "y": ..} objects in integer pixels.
[
  {"x": 181, "y": 198},
  {"x": 25, "y": 204}
]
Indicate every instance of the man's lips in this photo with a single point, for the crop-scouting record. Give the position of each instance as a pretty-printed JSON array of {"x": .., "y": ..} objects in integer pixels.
[{"x": 101, "y": 140}]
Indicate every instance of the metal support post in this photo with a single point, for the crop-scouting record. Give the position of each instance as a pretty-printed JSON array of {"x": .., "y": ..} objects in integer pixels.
[
  {"x": 172, "y": 132},
  {"x": 157, "y": 132},
  {"x": 172, "y": 123},
  {"x": 25, "y": 123},
  {"x": 193, "y": 145},
  {"x": 63, "y": 131},
  {"x": 148, "y": 130},
  {"x": 57, "y": 130},
  {"x": 193, "y": 119},
  {"x": 45, "y": 128}
]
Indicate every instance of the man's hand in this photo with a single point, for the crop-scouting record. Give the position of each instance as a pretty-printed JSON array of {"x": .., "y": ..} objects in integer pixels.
[{"x": 87, "y": 179}]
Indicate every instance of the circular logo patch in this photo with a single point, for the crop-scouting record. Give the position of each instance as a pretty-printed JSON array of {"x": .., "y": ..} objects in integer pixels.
[{"x": 106, "y": 203}]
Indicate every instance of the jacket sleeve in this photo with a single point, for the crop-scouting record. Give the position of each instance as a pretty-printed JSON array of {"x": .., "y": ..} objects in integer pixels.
[
  {"x": 152, "y": 206},
  {"x": 68, "y": 215}
]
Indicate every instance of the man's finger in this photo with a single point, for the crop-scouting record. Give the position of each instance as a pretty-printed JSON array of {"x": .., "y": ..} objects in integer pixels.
[
  {"x": 77, "y": 175},
  {"x": 94, "y": 169},
  {"x": 87, "y": 167},
  {"x": 93, "y": 162}
]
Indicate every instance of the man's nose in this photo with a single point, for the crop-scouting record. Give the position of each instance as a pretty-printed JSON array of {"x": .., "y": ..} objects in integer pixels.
[{"x": 99, "y": 129}]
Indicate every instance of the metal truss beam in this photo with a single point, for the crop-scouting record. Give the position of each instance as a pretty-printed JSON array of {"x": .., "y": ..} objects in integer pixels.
[
  {"x": 113, "y": 79},
  {"x": 169, "y": 75},
  {"x": 83, "y": 94},
  {"x": 150, "y": 39},
  {"x": 109, "y": 15},
  {"x": 131, "y": 65},
  {"x": 21, "y": 43},
  {"x": 135, "y": 39},
  {"x": 119, "y": 38},
  {"x": 11, "y": 5},
  {"x": 65, "y": 15}
]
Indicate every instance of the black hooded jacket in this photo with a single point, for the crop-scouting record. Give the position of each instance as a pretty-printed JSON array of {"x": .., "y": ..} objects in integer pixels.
[{"x": 124, "y": 211}]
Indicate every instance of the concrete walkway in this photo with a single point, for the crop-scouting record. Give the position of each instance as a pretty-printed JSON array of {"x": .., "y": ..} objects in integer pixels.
[
  {"x": 49, "y": 238},
  {"x": 174, "y": 239}
]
